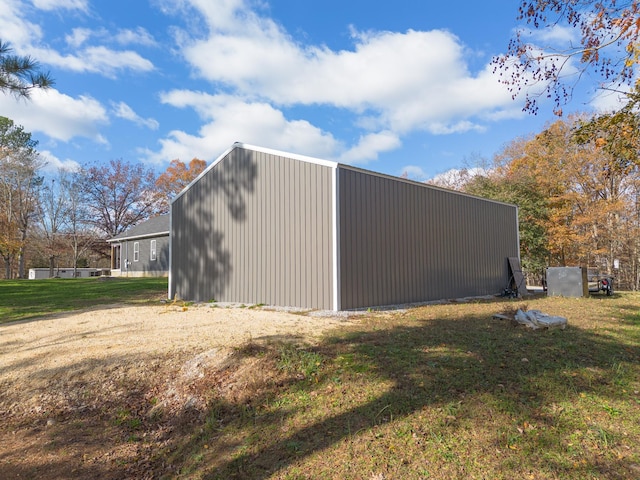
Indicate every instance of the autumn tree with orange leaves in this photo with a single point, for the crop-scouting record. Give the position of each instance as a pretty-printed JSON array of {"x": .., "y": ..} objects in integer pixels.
[
  {"x": 608, "y": 45},
  {"x": 577, "y": 200},
  {"x": 177, "y": 176},
  {"x": 583, "y": 202}
]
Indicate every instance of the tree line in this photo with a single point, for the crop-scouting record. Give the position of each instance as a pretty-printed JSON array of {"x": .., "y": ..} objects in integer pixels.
[
  {"x": 64, "y": 220},
  {"x": 577, "y": 188},
  {"x": 576, "y": 185}
]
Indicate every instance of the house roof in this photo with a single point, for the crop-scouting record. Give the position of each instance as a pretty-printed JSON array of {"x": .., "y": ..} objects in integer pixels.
[{"x": 154, "y": 227}]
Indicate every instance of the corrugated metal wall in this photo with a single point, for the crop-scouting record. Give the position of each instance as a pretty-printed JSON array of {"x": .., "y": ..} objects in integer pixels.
[
  {"x": 402, "y": 242},
  {"x": 255, "y": 228}
]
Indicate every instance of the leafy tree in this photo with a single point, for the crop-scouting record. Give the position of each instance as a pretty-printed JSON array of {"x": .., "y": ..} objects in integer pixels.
[
  {"x": 9, "y": 235},
  {"x": 617, "y": 134},
  {"x": 579, "y": 204},
  {"x": 20, "y": 75},
  {"x": 118, "y": 195},
  {"x": 609, "y": 46},
  {"x": 629, "y": 234},
  {"x": 586, "y": 194},
  {"x": 548, "y": 159},
  {"x": 19, "y": 187},
  {"x": 615, "y": 137},
  {"x": 176, "y": 178},
  {"x": 499, "y": 183}
]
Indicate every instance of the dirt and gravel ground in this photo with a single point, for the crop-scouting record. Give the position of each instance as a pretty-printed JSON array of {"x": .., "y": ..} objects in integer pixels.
[{"x": 72, "y": 384}]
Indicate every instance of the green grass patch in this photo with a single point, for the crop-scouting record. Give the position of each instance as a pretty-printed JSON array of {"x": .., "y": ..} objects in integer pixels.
[
  {"x": 25, "y": 299},
  {"x": 443, "y": 391}
]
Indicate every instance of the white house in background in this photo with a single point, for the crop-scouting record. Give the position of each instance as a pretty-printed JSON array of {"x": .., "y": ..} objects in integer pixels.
[{"x": 143, "y": 250}]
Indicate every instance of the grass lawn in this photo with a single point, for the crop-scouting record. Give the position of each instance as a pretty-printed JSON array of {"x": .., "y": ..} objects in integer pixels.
[
  {"x": 24, "y": 299},
  {"x": 440, "y": 392},
  {"x": 436, "y": 392}
]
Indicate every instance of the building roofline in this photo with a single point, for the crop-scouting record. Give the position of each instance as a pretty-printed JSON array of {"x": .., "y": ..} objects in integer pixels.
[
  {"x": 269, "y": 151},
  {"x": 419, "y": 184},
  {"x": 331, "y": 164}
]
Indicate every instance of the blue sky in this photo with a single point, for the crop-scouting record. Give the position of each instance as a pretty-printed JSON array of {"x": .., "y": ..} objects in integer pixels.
[{"x": 403, "y": 86}]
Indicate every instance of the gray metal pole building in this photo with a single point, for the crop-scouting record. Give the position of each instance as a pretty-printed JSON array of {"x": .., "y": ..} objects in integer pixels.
[{"x": 260, "y": 226}]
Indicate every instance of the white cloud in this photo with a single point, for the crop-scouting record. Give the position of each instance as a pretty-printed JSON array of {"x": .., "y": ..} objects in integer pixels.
[
  {"x": 14, "y": 28},
  {"x": 230, "y": 119},
  {"x": 26, "y": 39},
  {"x": 554, "y": 35},
  {"x": 369, "y": 146},
  {"x": 94, "y": 59},
  {"x": 57, "y": 115},
  {"x": 442, "y": 128},
  {"x": 393, "y": 82},
  {"x": 139, "y": 36},
  {"x": 54, "y": 164},
  {"x": 48, "y": 5},
  {"x": 610, "y": 98},
  {"x": 122, "y": 110},
  {"x": 385, "y": 72},
  {"x": 413, "y": 172},
  {"x": 78, "y": 36}
]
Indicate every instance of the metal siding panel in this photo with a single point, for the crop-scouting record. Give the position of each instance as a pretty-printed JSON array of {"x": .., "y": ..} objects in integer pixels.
[
  {"x": 311, "y": 293},
  {"x": 360, "y": 243},
  {"x": 247, "y": 231},
  {"x": 345, "y": 207},
  {"x": 411, "y": 255},
  {"x": 365, "y": 257},
  {"x": 289, "y": 254},
  {"x": 307, "y": 254},
  {"x": 297, "y": 237},
  {"x": 387, "y": 246},
  {"x": 403, "y": 242},
  {"x": 286, "y": 227},
  {"x": 378, "y": 289},
  {"x": 305, "y": 250},
  {"x": 330, "y": 239},
  {"x": 391, "y": 213}
]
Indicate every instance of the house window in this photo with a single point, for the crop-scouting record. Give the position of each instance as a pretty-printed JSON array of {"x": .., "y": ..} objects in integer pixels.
[
  {"x": 153, "y": 250},
  {"x": 136, "y": 251}
]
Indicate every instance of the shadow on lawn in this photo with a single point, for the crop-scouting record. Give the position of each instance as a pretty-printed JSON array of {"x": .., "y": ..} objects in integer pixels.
[
  {"x": 429, "y": 363},
  {"x": 437, "y": 363}
]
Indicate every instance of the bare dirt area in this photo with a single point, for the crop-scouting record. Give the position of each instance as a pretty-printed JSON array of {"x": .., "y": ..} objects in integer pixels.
[{"x": 107, "y": 393}]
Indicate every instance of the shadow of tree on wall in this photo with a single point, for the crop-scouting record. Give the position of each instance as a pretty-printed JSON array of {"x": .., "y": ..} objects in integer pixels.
[
  {"x": 201, "y": 264},
  {"x": 427, "y": 368}
]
